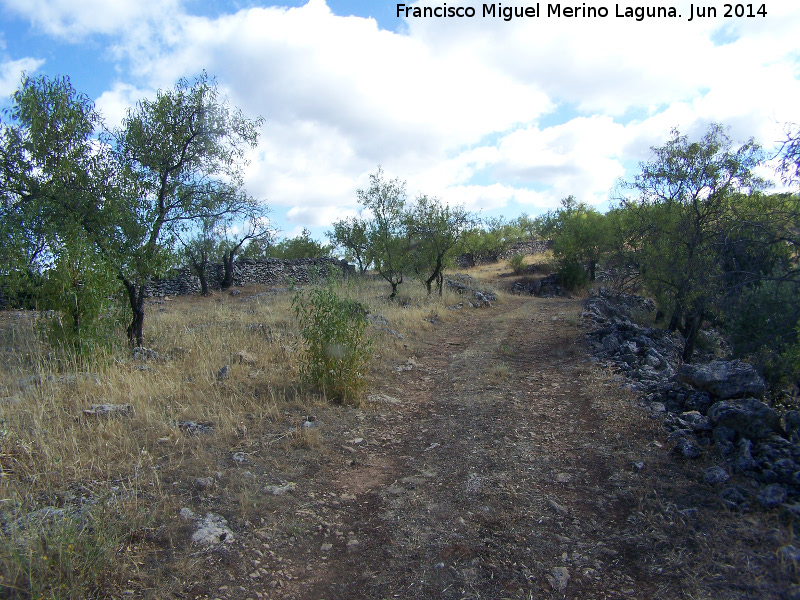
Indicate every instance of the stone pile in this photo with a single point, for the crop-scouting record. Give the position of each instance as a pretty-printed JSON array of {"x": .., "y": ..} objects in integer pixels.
[
  {"x": 711, "y": 408},
  {"x": 270, "y": 271},
  {"x": 465, "y": 285},
  {"x": 544, "y": 287}
]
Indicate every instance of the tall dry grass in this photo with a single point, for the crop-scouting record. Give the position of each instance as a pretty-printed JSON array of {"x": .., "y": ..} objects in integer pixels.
[{"x": 83, "y": 498}]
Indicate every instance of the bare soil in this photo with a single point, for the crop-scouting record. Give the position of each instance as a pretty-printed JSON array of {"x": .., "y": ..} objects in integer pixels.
[{"x": 501, "y": 464}]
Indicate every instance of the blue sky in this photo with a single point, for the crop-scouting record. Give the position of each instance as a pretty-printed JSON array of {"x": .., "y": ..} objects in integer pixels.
[{"x": 501, "y": 116}]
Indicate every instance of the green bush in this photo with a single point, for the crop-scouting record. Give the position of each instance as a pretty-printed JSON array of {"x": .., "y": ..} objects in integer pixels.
[
  {"x": 517, "y": 264},
  {"x": 337, "y": 349},
  {"x": 571, "y": 275}
]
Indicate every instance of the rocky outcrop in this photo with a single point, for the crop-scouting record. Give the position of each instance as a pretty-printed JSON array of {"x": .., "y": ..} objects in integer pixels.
[{"x": 270, "y": 271}]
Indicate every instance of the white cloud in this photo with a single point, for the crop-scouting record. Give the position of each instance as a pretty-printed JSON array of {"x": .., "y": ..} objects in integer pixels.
[
  {"x": 476, "y": 111},
  {"x": 11, "y": 73},
  {"x": 74, "y": 20},
  {"x": 113, "y": 104}
]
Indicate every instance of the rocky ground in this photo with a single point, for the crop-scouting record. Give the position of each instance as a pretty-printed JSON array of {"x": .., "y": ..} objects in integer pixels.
[{"x": 498, "y": 461}]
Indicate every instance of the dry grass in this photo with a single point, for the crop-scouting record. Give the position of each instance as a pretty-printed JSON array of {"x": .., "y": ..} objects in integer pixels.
[{"x": 117, "y": 482}]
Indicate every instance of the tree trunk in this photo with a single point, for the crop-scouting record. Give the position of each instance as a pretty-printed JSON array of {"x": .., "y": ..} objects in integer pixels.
[
  {"x": 200, "y": 269},
  {"x": 592, "y": 268},
  {"x": 691, "y": 330},
  {"x": 227, "y": 260},
  {"x": 440, "y": 282},
  {"x": 136, "y": 297}
]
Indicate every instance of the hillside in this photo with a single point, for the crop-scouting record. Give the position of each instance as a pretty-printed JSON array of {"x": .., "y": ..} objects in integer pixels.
[{"x": 491, "y": 459}]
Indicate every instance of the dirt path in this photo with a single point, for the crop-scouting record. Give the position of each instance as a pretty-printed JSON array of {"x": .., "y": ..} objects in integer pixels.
[{"x": 503, "y": 464}]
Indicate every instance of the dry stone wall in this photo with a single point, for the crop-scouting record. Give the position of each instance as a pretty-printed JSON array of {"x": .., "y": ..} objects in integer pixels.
[
  {"x": 529, "y": 247},
  {"x": 270, "y": 271}
]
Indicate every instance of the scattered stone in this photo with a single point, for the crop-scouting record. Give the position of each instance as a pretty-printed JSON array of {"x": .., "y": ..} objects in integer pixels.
[
  {"x": 724, "y": 379},
  {"x": 696, "y": 421},
  {"x": 224, "y": 373},
  {"x": 312, "y": 423},
  {"x": 187, "y": 513},
  {"x": 559, "y": 579},
  {"x": 557, "y": 507},
  {"x": 463, "y": 284},
  {"x": 744, "y": 461},
  {"x": 142, "y": 353},
  {"x": 280, "y": 490},
  {"x": 240, "y": 458},
  {"x": 245, "y": 357},
  {"x": 716, "y": 476},
  {"x": 732, "y": 497},
  {"x": 212, "y": 530},
  {"x": 687, "y": 448},
  {"x": 326, "y": 547},
  {"x": 234, "y": 293},
  {"x": 791, "y": 423},
  {"x": 563, "y": 477},
  {"x": 772, "y": 496},
  {"x": 108, "y": 410},
  {"x": 382, "y": 399},
  {"x": 195, "y": 428},
  {"x": 204, "y": 483}
]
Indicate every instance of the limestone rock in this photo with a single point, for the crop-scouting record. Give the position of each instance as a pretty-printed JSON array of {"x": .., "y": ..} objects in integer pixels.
[
  {"x": 108, "y": 410},
  {"x": 748, "y": 417},
  {"x": 212, "y": 530},
  {"x": 559, "y": 579},
  {"x": 772, "y": 496},
  {"x": 724, "y": 379},
  {"x": 716, "y": 476}
]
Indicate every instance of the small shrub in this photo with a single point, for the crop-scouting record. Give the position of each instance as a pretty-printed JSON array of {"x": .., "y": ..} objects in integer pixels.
[
  {"x": 517, "y": 264},
  {"x": 336, "y": 346}
]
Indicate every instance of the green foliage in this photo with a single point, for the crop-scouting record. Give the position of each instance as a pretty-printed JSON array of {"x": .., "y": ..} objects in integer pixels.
[
  {"x": 678, "y": 217},
  {"x": 301, "y": 246},
  {"x": 337, "y": 350},
  {"x": 580, "y": 234},
  {"x": 81, "y": 286},
  {"x": 53, "y": 181},
  {"x": 387, "y": 232},
  {"x": 571, "y": 275},
  {"x": 433, "y": 229},
  {"x": 517, "y": 264},
  {"x": 182, "y": 156},
  {"x": 351, "y": 235}
]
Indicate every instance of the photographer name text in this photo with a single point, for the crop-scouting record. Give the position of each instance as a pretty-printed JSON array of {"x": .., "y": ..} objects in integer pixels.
[{"x": 582, "y": 11}]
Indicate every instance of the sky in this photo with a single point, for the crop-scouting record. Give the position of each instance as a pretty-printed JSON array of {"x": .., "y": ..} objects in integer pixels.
[{"x": 500, "y": 115}]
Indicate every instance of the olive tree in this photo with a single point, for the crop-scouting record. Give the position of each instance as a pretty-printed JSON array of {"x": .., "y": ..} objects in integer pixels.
[
  {"x": 55, "y": 179},
  {"x": 182, "y": 156},
  {"x": 387, "y": 237},
  {"x": 681, "y": 204},
  {"x": 433, "y": 230},
  {"x": 351, "y": 235}
]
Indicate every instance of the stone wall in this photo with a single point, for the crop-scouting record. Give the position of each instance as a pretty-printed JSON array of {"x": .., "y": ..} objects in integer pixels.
[
  {"x": 465, "y": 261},
  {"x": 270, "y": 271}
]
